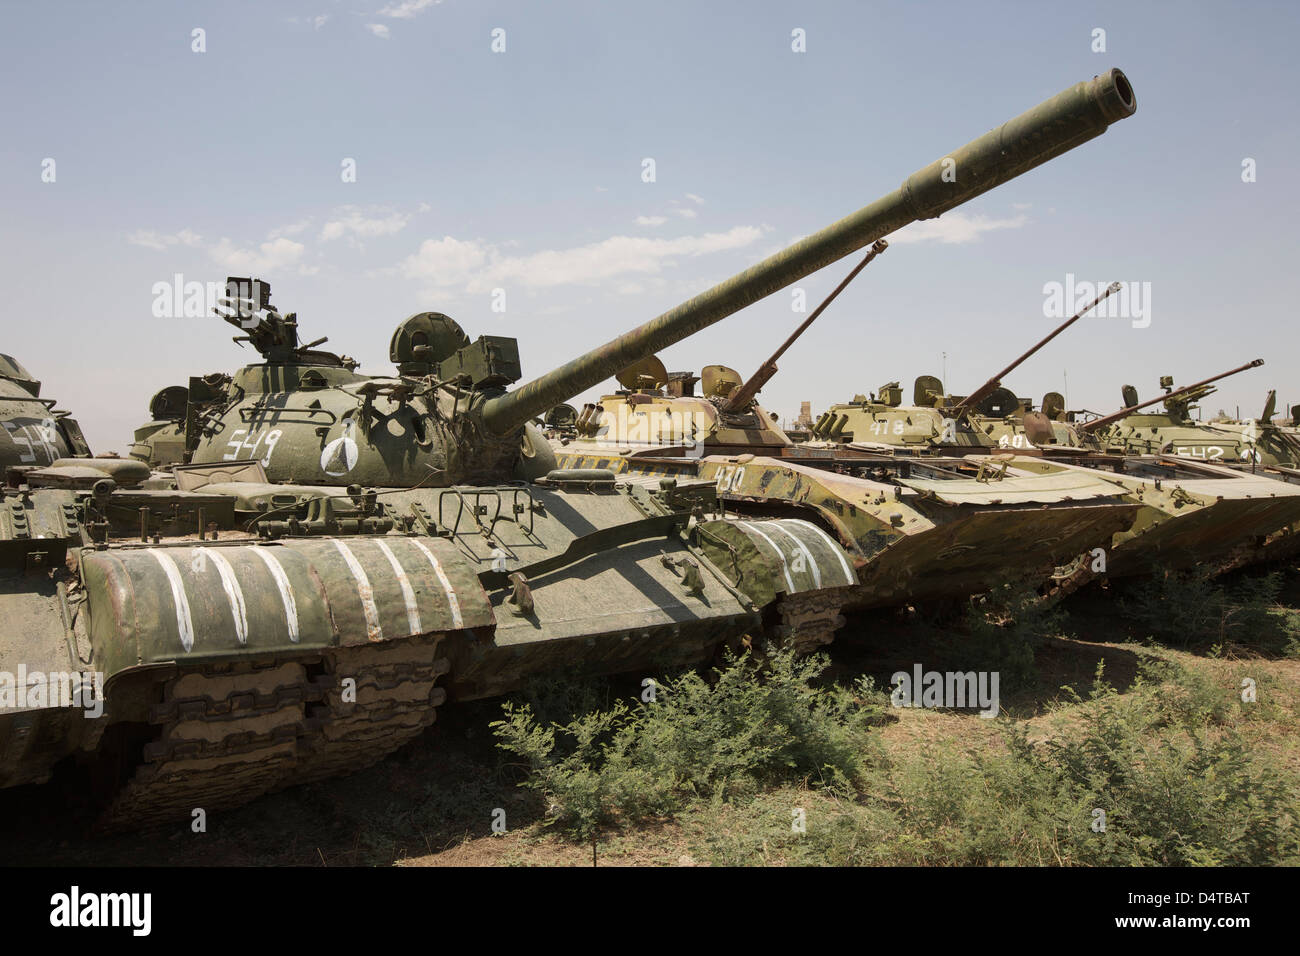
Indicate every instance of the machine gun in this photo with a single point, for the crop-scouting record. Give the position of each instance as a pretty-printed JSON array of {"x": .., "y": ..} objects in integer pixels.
[{"x": 275, "y": 336}]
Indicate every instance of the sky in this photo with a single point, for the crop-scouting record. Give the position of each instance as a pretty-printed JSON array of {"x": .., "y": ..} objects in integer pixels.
[{"x": 487, "y": 160}]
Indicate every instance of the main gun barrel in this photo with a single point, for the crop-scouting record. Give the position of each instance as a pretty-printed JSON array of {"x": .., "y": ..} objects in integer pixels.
[{"x": 1072, "y": 117}]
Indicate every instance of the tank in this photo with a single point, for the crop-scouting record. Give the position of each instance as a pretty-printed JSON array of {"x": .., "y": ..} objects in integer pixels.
[
  {"x": 991, "y": 417},
  {"x": 161, "y": 441},
  {"x": 35, "y": 432},
  {"x": 1260, "y": 447},
  {"x": 341, "y": 554}
]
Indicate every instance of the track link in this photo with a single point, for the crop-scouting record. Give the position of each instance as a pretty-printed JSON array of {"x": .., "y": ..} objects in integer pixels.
[
  {"x": 809, "y": 619},
  {"x": 230, "y": 733}
]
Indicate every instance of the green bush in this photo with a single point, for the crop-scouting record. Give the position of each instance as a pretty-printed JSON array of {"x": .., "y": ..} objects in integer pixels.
[
  {"x": 1001, "y": 633},
  {"x": 1190, "y": 608},
  {"x": 730, "y": 759},
  {"x": 758, "y": 723},
  {"x": 1164, "y": 761},
  {"x": 1176, "y": 782}
]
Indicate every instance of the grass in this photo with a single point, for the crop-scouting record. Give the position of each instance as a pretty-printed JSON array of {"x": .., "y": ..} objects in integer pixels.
[
  {"x": 781, "y": 761},
  {"x": 774, "y": 764}
]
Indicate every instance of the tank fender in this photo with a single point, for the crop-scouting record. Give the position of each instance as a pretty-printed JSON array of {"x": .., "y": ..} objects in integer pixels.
[
  {"x": 196, "y": 603},
  {"x": 767, "y": 558}
]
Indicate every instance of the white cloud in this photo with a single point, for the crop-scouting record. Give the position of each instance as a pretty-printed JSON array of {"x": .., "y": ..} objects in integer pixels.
[
  {"x": 292, "y": 229},
  {"x": 651, "y": 220},
  {"x": 480, "y": 266},
  {"x": 161, "y": 240},
  {"x": 269, "y": 256},
  {"x": 380, "y": 30},
  {"x": 354, "y": 222},
  {"x": 316, "y": 22},
  {"x": 407, "y": 8},
  {"x": 955, "y": 227},
  {"x": 444, "y": 262},
  {"x": 699, "y": 201},
  {"x": 677, "y": 209}
]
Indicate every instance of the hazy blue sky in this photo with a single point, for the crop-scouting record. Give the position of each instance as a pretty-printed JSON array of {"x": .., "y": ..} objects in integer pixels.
[{"x": 522, "y": 170}]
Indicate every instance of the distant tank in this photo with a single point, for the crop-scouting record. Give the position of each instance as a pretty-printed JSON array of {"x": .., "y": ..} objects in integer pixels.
[
  {"x": 1260, "y": 447},
  {"x": 161, "y": 441},
  {"x": 990, "y": 418},
  {"x": 342, "y": 553},
  {"x": 34, "y": 432}
]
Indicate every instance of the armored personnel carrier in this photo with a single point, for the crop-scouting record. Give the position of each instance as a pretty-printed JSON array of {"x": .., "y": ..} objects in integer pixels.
[
  {"x": 1172, "y": 430},
  {"x": 341, "y": 554},
  {"x": 1188, "y": 515}
]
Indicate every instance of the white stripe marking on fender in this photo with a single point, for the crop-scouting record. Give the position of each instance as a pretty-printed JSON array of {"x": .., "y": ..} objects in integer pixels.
[
  {"x": 452, "y": 602},
  {"x": 849, "y": 576},
  {"x": 779, "y": 553},
  {"x": 816, "y": 569},
  {"x": 184, "y": 623},
  {"x": 286, "y": 591},
  {"x": 367, "y": 594},
  {"x": 408, "y": 595},
  {"x": 234, "y": 593}
]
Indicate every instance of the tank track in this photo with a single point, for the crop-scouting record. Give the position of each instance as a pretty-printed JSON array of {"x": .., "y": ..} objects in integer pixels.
[
  {"x": 229, "y": 733},
  {"x": 1066, "y": 580},
  {"x": 809, "y": 619}
]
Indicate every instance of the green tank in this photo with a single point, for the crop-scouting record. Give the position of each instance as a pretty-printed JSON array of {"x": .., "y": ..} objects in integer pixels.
[
  {"x": 34, "y": 432},
  {"x": 341, "y": 554},
  {"x": 1258, "y": 446},
  {"x": 161, "y": 442}
]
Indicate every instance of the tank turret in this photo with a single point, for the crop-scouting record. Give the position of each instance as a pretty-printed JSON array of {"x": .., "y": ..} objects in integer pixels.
[{"x": 34, "y": 433}]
